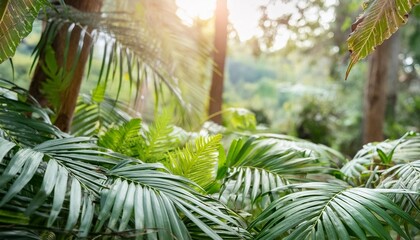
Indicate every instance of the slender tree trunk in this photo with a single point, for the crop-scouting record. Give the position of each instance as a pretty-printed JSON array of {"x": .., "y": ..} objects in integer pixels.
[
  {"x": 395, "y": 42},
  {"x": 375, "y": 93},
  {"x": 219, "y": 56},
  {"x": 70, "y": 94}
]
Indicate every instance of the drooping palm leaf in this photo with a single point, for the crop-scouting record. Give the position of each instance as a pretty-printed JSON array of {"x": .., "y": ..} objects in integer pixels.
[
  {"x": 380, "y": 20},
  {"x": 331, "y": 211},
  {"x": 22, "y": 119},
  {"x": 158, "y": 199},
  {"x": 133, "y": 49},
  {"x": 71, "y": 168},
  {"x": 16, "y": 18}
]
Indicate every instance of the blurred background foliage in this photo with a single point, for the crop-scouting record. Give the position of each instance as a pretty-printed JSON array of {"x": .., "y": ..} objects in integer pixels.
[{"x": 296, "y": 89}]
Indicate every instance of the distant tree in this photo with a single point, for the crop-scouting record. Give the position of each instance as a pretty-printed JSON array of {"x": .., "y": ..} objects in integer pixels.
[
  {"x": 219, "y": 56},
  {"x": 375, "y": 93}
]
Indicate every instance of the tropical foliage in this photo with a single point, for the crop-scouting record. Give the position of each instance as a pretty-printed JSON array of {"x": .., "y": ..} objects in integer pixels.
[
  {"x": 70, "y": 186},
  {"x": 120, "y": 177}
]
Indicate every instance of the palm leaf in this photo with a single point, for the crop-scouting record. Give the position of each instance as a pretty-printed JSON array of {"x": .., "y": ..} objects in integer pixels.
[
  {"x": 134, "y": 49},
  {"x": 331, "y": 211},
  {"x": 380, "y": 20},
  {"x": 160, "y": 200},
  {"x": 70, "y": 165},
  {"x": 22, "y": 119},
  {"x": 407, "y": 177},
  {"x": 16, "y": 18},
  {"x": 94, "y": 115},
  {"x": 255, "y": 166},
  {"x": 197, "y": 160}
]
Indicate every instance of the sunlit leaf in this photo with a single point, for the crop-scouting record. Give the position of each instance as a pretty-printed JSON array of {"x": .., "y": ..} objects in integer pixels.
[
  {"x": 16, "y": 18},
  {"x": 380, "y": 20}
]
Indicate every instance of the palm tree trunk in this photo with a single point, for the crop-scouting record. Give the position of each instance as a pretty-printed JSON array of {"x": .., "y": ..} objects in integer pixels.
[
  {"x": 375, "y": 93},
  {"x": 219, "y": 56},
  {"x": 70, "y": 94}
]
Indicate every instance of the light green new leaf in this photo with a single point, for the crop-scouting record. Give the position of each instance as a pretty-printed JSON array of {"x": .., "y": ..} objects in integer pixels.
[
  {"x": 16, "y": 18},
  {"x": 196, "y": 161},
  {"x": 123, "y": 139},
  {"x": 381, "y": 19}
]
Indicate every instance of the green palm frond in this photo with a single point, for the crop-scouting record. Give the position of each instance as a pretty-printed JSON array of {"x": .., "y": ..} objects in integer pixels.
[
  {"x": 324, "y": 153},
  {"x": 67, "y": 166},
  {"x": 380, "y": 20},
  {"x": 22, "y": 119},
  {"x": 375, "y": 157},
  {"x": 405, "y": 149},
  {"x": 331, "y": 211},
  {"x": 197, "y": 161},
  {"x": 160, "y": 203},
  {"x": 360, "y": 171},
  {"x": 124, "y": 139},
  {"x": 64, "y": 185},
  {"x": 134, "y": 49},
  {"x": 255, "y": 166},
  {"x": 94, "y": 115},
  {"x": 16, "y": 18},
  {"x": 404, "y": 176}
]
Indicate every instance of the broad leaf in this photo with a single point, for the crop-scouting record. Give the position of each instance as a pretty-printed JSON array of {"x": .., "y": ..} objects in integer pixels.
[
  {"x": 380, "y": 20},
  {"x": 16, "y": 18}
]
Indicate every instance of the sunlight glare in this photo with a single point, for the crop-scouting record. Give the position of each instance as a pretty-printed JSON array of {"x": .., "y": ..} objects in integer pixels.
[{"x": 244, "y": 15}]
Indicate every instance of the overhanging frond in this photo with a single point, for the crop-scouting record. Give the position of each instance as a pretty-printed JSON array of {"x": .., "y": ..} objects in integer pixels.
[
  {"x": 16, "y": 18},
  {"x": 136, "y": 51},
  {"x": 380, "y": 20}
]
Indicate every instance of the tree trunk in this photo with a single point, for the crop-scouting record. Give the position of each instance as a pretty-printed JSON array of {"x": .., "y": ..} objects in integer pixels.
[
  {"x": 219, "y": 56},
  {"x": 70, "y": 94},
  {"x": 375, "y": 93},
  {"x": 393, "y": 68}
]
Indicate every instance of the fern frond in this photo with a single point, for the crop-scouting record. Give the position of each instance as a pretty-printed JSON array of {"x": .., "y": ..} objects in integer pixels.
[
  {"x": 160, "y": 139},
  {"x": 124, "y": 139},
  {"x": 197, "y": 161}
]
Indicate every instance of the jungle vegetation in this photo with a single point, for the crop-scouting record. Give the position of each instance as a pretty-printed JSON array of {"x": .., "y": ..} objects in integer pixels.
[{"x": 109, "y": 138}]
